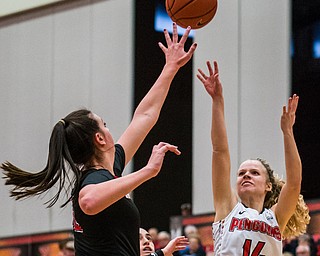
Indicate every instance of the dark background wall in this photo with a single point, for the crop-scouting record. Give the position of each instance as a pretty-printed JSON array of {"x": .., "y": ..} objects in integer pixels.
[
  {"x": 161, "y": 197},
  {"x": 306, "y": 83}
]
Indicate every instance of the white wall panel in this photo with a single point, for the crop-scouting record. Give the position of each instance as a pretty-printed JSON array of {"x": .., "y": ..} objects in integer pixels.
[
  {"x": 54, "y": 62},
  {"x": 112, "y": 65},
  {"x": 112, "y": 77},
  {"x": 217, "y": 41},
  {"x": 264, "y": 78},
  {"x": 250, "y": 40},
  {"x": 72, "y": 60},
  {"x": 25, "y": 104}
]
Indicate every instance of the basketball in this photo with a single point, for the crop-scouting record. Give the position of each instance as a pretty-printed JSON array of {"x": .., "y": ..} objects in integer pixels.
[{"x": 193, "y": 13}]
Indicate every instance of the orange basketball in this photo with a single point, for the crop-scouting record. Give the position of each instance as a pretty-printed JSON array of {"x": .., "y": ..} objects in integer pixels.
[{"x": 193, "y": 13}]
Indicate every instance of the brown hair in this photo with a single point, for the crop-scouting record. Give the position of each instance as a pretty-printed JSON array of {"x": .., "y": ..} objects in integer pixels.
[
  {"x": 70, "y": 147},
  {"x": 298, "y": 222}
]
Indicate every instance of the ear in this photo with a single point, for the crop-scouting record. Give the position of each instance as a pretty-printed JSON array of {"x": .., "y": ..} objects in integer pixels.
[
  {"x": 269, "y": 186},
  {"x": 99, "y": 139}
]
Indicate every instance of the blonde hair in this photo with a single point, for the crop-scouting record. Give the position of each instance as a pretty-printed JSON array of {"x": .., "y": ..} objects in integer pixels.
[{"x": 298, "y": 222}]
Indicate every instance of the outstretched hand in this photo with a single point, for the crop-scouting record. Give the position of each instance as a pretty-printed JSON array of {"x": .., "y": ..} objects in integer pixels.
[
  {"x": 174, "y": 52},
  {"x": 212, "y": 82},
  {"x": 289, "y": 114},
  {"x": 158, "y": 153},
  {"x": 176, "y": 244}
]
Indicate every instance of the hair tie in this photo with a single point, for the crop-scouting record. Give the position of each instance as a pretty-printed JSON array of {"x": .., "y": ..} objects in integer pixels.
[{"x": 63, "y": 122}]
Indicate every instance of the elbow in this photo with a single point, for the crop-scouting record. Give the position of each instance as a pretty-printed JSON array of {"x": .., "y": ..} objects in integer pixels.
[
  {"x": 295, "y": 180},
  {"x": 220, "y": 150},
  {"x": 152, "y": 116},
  {"x": 294, "y": 185},
  {"x": 294, "y": 175},
  {"x": 152, "y": 119},
  {"x": 88, "y": 204},
  {"x": 220, "y": 146},
  {"x": 148, "y": 118}
]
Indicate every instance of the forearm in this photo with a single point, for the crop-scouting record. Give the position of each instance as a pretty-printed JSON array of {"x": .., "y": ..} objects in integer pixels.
[
  {"x": 291, "y": 189},
  {"x": 223, "y": 197},
  {"x": 147, "y": 112},
  {"x": 97, "y": 197},
  {"x": 292, "y": 161},
  {"x": 219, "y": 137},
  {"x": 153, "y": 101}
]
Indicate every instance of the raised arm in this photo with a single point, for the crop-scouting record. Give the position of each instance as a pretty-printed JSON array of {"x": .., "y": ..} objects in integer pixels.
[
  {"x": 224, "y": 198},
  {"x": 148, "y": 111},
  {"x": 96, "y": 197},
  {"x": 290, "y": 191}
]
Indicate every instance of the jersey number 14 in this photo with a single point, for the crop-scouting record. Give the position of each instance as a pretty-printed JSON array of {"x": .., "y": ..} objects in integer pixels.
[{"x": 247, "y": 248}]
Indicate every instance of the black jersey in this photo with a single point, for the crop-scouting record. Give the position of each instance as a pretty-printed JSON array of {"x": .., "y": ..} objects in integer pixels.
[{"x": 115, "y": 230}]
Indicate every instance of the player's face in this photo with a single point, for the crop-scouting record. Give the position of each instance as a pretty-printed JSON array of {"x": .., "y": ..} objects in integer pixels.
[
  {"x": 104, "y": 129},
  {"x": 146, "y": 244},
  {"x": 252, "y": 177}
]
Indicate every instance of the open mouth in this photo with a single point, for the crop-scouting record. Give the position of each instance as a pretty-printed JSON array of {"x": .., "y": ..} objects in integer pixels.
[
  {"x": 246, "y": 183},
  {"x": 147, "y": 249}
]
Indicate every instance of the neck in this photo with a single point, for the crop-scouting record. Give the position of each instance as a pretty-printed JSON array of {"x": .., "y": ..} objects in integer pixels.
[
  {"x": 253, "y": 203},
  {"x": 102, "y": 160},
  {"x": 100, "y": 165}
]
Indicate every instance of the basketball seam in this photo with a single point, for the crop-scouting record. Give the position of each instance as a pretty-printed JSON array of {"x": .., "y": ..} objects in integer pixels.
[
  {"x": 175, "y": 15},
  {"x": 180, "y": 7},
  {"x": 214, "y": 9},
  {"x": 193, "y": 17}
]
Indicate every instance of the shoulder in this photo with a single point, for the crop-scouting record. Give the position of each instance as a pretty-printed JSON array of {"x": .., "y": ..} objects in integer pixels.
[
  {"x": 119, "y": 148},
  {"x": 119, "y": 160},
  {"x": 238, "y": 210},
  {"x": 95, "y": 177},
  {"x": 225, "y": 206}
]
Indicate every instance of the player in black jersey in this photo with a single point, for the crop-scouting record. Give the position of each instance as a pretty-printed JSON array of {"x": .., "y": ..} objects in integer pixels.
[{"x": 106, "y": 221}]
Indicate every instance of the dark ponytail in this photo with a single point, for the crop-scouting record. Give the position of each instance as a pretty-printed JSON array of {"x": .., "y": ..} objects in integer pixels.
[{"x": 70, "y": 147}]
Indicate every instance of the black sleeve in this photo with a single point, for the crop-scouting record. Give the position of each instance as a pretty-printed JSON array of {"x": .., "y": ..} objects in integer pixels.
[
  {"x": 119, "y": 160},
  {"x": 96, "y": 176}
]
